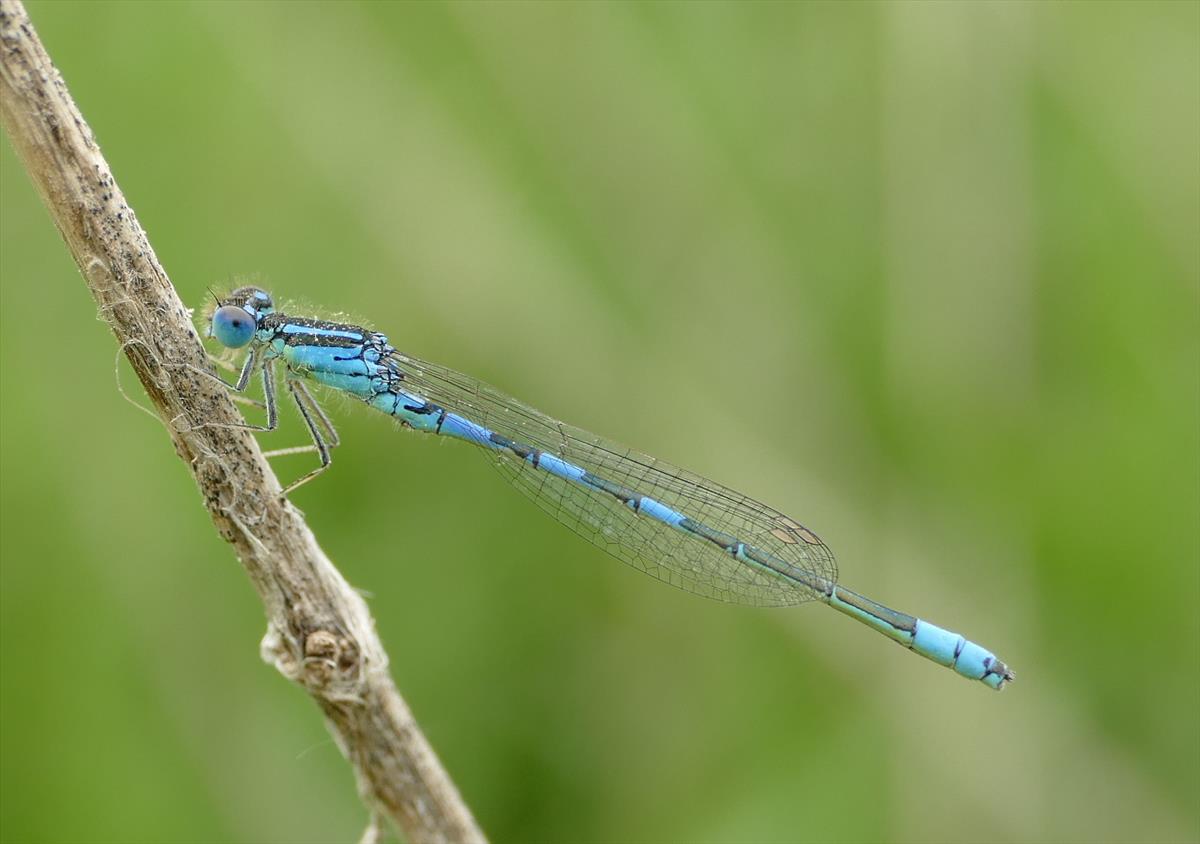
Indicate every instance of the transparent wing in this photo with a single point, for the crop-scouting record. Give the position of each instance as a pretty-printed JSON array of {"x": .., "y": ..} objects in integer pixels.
[{"x": 666, "y": 553}]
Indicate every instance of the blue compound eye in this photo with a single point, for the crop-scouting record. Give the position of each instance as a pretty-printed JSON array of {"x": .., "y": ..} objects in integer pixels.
[{"x": 233, "y": 327}]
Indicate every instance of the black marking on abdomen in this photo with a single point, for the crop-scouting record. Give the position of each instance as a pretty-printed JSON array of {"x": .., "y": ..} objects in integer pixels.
[
  {"x": 722, "y": 540},
  {"x": 522, "y": 451},
  {"x": 624, "y": 494},
  {"x": 786, "y": 569}
]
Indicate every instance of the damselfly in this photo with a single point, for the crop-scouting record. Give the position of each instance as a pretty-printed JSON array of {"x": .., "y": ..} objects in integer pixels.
[{"x": 668, "y": 522}]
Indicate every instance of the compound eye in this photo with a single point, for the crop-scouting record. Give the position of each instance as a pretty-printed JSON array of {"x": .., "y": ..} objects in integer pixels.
[{"x": 233, "y": 327}]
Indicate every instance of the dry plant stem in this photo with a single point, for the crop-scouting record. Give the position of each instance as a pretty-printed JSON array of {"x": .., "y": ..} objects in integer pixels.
[{"x": 319, "y": 633}]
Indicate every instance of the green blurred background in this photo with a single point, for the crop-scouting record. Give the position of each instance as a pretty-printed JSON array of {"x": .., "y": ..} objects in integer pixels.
[{"x": 924, "y": 276}]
